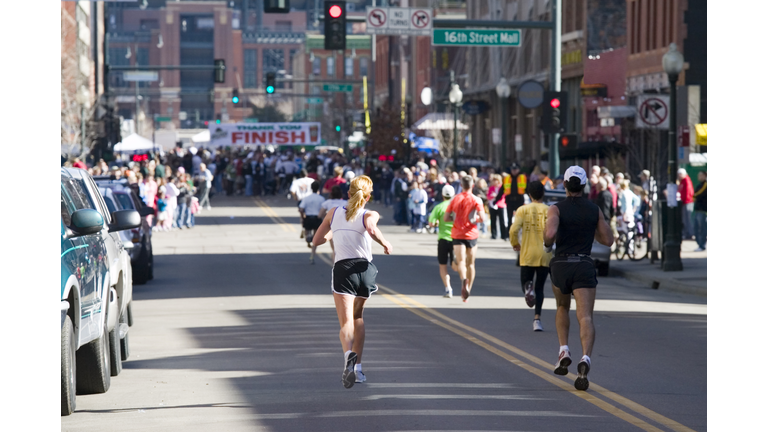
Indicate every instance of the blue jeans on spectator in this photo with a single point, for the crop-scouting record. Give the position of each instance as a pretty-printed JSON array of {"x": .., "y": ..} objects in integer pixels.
[
  {"x": 687, "y": 228},
  {"x": 386, "y": 196},
  {"x": 181, "y": 212},
  {"x": 218, "y": 183},
  {"x": 700, "y": 228},
  {"x": 400, "y": 209},
  {"x": 190, "y": 218},
  {"x": 248, "y": 185},
  {"x": 417, "y": 221}
]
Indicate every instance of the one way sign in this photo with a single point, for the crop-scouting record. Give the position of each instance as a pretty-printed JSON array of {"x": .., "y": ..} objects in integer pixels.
[{"x": 652, "y": 112}]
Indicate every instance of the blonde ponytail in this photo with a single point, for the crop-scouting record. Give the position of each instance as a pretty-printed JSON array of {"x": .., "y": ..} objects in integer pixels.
[{"x": 360, "y": 189}]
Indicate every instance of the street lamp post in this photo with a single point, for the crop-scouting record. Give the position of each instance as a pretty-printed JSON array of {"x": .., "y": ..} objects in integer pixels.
[
  {"x": 83, "y": 97},
  {"x": 673, "y": 65},
  {"x": 503, "y": 90},
  {"x": 454, "y": 96}
]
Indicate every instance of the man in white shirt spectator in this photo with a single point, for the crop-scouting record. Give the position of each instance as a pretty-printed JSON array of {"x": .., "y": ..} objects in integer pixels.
[{"x": 205, "y": 202}]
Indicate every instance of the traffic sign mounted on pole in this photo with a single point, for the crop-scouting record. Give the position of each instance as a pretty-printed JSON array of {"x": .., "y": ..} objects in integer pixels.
[
  {"x": 398, "y": 21},
  {"x": 652, "y": 112},
  {"x": 476, "y": 37},
  {"x": 337, "y": 87}
]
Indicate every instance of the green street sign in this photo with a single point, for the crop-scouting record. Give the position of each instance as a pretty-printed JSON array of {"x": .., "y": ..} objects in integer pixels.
[
  {"x": 162, "y": 119},
  {"x": 337, "y": 87},
  {"x": 314, "y": 100},
  {"x": 476, "y": 37}
]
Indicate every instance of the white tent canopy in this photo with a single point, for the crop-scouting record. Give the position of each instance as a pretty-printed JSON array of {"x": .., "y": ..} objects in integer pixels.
[
  {"x": 135, "y": 143},
  {"x": 202, "y": 137},
  {"x": 438, "y": 121}
]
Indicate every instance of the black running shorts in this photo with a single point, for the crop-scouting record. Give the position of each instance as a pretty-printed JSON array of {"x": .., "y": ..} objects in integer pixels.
[
  {"x": 356, "y": 277},
  {"x": 572, "y": 272},
  {"x": 468, "y": 243},
  {"x": 444, "y": 251},
  {"x": 312, "y": 222}
]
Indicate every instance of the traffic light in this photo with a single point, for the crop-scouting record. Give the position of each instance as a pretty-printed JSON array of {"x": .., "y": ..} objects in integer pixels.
[
  {"x": 235, "y": 96},
  {"x": 338, "y": 128},
  {"x": 270, "y": 82},
  {"x": 277, "y": 6},
  {"x": 568, "y": 142},
  {"x": 218, "y": 72},
  {"x": 554, "y": 115},
  {"x": 335, "y": 25}
]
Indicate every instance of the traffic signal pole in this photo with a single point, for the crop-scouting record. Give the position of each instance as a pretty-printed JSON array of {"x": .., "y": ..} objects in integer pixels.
[{"x": 555, "y": 78}]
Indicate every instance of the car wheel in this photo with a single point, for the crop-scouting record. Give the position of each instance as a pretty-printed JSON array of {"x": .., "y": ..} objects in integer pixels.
[
  {"x": 129, "y": 314},
  {"x": 141, "y": 269},
  {"x": 93, "y": 365},
  {"x": 68, "y": 376},
  {"x": 602, "y": 268},
  {"x": 124, "y": 352},
  {"x": 115, "y": 357}
]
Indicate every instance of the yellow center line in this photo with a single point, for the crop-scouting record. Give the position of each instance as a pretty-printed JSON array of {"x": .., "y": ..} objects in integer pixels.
[
  {"x": 451, "y": 325},
  {"x": 272, "y": 215}
]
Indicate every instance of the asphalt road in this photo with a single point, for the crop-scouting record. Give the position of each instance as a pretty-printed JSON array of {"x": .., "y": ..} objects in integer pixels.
[{"x": 237, "y": 332}]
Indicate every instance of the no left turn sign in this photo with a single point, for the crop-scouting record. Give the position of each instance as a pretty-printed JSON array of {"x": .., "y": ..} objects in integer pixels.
[{"x": 377, "y": 18}]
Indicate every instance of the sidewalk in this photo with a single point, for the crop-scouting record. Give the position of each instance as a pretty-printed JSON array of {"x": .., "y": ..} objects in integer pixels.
[{"x": 692, "y": 280}]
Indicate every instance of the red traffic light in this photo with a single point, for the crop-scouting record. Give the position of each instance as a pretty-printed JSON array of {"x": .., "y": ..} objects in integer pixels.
[
  {"x": 555, "y": 103},
  {"x": 335, "y": 11},
  {"x": 564, "y": 141}
]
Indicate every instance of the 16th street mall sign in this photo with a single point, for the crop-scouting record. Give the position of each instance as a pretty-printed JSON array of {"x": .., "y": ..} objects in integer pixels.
[{"x": 476, "y": 37}]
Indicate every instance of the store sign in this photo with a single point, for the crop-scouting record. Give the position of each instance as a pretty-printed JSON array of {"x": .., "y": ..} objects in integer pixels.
[{"x": 235, "y": 134}]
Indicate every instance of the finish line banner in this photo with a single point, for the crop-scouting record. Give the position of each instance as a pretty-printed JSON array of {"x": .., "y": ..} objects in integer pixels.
[{"x": 239, "y": 134}]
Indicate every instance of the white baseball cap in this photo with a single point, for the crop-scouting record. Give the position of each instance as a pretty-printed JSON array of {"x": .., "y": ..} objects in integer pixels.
[
  {"x": 576, "y": 171},
  {"x": 349, "y": 175},
  {"x": 448, "y": 191}
]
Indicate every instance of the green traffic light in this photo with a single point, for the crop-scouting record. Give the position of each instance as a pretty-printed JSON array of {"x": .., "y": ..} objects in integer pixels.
[
  {"x": 338, "y": 128},
  {"x": 270, "y": 89},
  {"x": 218, "y": 121},
  {"x": 235, "y": 99}
]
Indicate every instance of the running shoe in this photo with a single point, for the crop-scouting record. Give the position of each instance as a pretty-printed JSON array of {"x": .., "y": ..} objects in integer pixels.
[
  {"x": 563, "y": 361},
  {"x": 465, "y": 290},
  {"x": 348, "y": 376},
  {"x": 537, "y": 325},
  {"x": 359, "y": 377},
  {"x": 582, "y": 383},
  {"x": 448, "y": 293},
  {"x": 530, "y": 298}
]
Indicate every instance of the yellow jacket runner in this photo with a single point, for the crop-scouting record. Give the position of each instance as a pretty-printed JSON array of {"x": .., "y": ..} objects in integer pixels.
[{"x": 532, "y": 219}]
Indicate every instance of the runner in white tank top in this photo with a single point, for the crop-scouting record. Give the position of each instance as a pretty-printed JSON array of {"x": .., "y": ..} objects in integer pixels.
[{"x": 353, "y": 277}]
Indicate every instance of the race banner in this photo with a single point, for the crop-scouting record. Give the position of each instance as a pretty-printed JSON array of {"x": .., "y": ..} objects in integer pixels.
[{"x": 255, "y": 134}]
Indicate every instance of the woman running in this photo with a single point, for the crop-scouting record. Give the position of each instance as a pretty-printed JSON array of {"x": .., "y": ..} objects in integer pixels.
[{"x": 353, "y": 278}]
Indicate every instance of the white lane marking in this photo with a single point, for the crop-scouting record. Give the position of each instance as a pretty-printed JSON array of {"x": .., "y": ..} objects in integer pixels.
[
  {"x": 465, "y": 413},
  {"x": 439, "y": 385},
  {"x": 438, "y": 396},
  {"x": 325, "y": 301}
]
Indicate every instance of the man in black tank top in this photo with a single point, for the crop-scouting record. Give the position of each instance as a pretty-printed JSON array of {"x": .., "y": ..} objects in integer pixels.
[{"x": 573, "y": 225}]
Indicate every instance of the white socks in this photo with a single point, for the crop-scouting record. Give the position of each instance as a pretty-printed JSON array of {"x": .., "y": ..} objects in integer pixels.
[
  {"x": 346, "y": 354},
  {"x": 359, "y": 367},
  {"x": 447, "y": 282},
  {"x": 585, "y": 358},
  {"x": 564, "y": 348}
]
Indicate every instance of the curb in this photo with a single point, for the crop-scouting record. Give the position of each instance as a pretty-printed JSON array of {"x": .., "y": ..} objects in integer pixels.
[{"x": 663, "y": 284}]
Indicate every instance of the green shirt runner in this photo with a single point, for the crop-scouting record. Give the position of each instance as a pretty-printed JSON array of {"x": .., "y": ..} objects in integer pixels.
[{"x": 444, "y": 228}]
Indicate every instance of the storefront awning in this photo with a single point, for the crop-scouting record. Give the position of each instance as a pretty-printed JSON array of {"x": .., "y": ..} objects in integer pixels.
[
  {"x": 701, "y": 134},
  {"x": 438, "y": 121}
]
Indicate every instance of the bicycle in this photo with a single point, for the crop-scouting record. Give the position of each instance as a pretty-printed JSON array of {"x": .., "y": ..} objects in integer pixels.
[{"x": 631, "y": 243}]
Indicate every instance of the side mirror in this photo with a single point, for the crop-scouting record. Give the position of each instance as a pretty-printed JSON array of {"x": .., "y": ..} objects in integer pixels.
[
  {"x": 146, "y": 211},
  {"x": 86, "y": 221},
  {"x": 125, "y": 219}
]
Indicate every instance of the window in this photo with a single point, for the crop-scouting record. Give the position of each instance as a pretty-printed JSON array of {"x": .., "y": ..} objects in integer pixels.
[
  {"x": 316, "y": 66},
  {"x": 364, "y": 66},
  {"x": 110, "y": 205},
  {"x": 142, "y": 59},
  {"x": 330, "y": 67},
  {"x": 273, "y": 61},
  {"x": 349, "y": 66},
  {"x": 283, "y": 26},
  {"x": 149, "y": 24},
  {"x": 249, "y": 68},
  {"x": 124, "y": 201}
]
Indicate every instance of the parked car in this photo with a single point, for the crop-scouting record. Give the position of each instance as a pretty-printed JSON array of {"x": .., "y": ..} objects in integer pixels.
[
  {"x": 138, "y": 241},
  {"x": 94, "y": 288},
  {"x": 601, "y": 254}
]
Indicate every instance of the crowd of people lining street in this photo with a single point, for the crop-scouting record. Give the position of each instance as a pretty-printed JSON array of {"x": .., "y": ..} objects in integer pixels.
[{"x": 459, "y": 206}]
